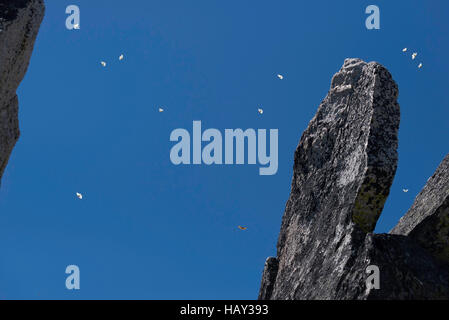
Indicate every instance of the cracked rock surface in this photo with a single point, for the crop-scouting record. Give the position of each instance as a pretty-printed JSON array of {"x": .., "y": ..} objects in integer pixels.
[
  {"x": 343, "y": 169},
  {"x": 19, "y": 24}
]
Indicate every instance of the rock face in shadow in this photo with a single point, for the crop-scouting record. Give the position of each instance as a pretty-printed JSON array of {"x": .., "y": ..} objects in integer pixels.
[
  {"x": 427, "y": 221},
  {"x": 343, "y": 169},
  {"x": 19, "y": 25}
]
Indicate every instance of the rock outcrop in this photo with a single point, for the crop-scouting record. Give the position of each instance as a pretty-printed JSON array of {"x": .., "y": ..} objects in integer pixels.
[
  {"x": 343, "y": 169},
  {"x": 19, "y": 24},
  {"x": 427, "y": 221}
]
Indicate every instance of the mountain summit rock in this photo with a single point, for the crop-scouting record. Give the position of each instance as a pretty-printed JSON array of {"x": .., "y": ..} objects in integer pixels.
[{"x": 343, "y": 169}]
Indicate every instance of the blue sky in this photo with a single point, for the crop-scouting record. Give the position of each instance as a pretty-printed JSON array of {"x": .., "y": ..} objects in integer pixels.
[{"x": 147, "y": 229}]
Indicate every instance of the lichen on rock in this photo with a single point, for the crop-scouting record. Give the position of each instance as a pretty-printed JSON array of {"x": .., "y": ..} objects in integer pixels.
[{"x": 343, "y": 169}]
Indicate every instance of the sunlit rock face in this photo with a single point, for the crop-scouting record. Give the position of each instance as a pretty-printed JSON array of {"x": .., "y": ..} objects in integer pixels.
[
  {"x": 343, "y": 169},
  {"x": 19, "y": 24}
]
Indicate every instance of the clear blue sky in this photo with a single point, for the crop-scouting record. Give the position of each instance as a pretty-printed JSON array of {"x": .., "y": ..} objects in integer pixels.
[{"x": 147, "y": 229}]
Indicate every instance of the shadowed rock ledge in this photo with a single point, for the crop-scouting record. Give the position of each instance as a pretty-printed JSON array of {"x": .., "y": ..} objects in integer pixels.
[
  {"x": 19, "y": 25},
  {"x": 427, "y": 221},
  {"x": 343, "y": 169}
]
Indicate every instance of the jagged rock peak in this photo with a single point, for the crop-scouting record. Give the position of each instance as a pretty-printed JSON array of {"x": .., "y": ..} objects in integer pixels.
[{"x": 343, "y": 169}]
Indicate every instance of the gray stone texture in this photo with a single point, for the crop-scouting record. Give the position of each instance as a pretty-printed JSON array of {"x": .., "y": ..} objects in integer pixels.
[
  {"x": 343, "y": 169},
  {"x": 19, "y": 24},
  {"x": 427, "y": 221}
]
